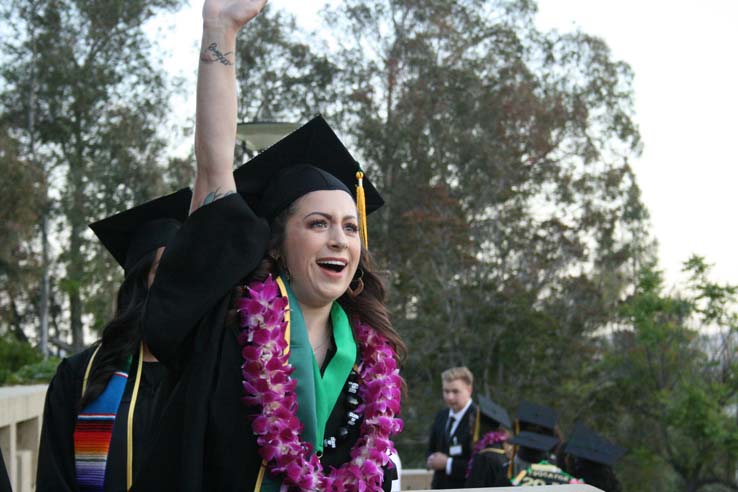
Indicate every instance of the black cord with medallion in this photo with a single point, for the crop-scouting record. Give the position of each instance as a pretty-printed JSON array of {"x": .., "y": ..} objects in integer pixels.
[{"x": 352, "y": 418}]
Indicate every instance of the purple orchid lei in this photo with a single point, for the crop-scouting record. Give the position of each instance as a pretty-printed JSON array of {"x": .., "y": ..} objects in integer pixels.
[
  {"x": 267, "y": 385},
  {"x": 487, "y": 440}
]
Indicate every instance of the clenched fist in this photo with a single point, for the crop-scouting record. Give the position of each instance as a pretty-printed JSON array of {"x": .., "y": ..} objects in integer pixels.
[{"x": 231, "y": 14}]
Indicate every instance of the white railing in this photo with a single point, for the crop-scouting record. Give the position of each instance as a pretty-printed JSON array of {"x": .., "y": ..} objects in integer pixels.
[
  {"x": 21, "y": 410},
  {"x": 540, "y": 488},
  {"x": 419, "y": 479}
]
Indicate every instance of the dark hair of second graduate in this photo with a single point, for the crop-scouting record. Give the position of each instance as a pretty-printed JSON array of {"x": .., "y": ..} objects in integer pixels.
[{"x": 122, "y": 335}]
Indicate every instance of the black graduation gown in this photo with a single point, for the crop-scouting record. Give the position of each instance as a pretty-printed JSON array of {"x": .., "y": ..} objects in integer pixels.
[
  {"x": 439, "y": 443},
  {"x": 205, "y": 441},
  {"x": 488, "y": 469},
  {"x": 56, "y": 469}
]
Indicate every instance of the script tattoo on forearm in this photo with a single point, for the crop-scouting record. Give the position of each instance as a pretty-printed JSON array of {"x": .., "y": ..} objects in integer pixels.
[
  {"x": 212, "y": 54},
  {"x": 214, "y": 195}
]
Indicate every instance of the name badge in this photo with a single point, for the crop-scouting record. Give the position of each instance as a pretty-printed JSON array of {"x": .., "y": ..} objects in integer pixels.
[{"x": 455, "y": 450}]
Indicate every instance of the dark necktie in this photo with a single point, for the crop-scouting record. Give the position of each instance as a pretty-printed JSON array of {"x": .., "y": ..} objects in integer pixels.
[{"x": 449, "y": 426}]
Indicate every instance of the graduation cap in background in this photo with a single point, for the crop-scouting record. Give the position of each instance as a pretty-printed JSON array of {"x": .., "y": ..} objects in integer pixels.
[
  {"x": 311, "y": 158},
  {"x": 131, "y": 234},
  {"x": 532, "y": 413},
  {"x": 586, "y": 444},
  {"x": 493, "y": 413},
  {"x": 533, "y": 440}
]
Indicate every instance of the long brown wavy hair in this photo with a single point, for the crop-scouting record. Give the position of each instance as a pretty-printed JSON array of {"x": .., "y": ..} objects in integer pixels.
[{"x": 368, "y": 306}]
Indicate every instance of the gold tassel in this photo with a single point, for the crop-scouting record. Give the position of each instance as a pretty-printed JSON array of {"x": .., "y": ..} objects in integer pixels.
[
  {"x": 131, "y": 411},
  {"x": 475, "y": 437},
  {"x": 515, "y": 451},
  {"x": 361, "y": 205}
]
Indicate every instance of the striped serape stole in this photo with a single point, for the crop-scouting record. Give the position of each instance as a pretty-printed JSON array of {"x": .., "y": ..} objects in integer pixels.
[{"x": 92, "y": 434}]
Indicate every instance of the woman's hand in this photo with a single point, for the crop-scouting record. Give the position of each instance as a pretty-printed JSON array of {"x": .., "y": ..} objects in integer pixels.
[{"x": 230, "y": 14}]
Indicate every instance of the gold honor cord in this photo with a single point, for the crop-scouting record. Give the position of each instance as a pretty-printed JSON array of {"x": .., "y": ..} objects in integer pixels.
[
  {"x": 87, "y": 371},
  {"x": 514, "y": 452},
  {"x": 260, "y": 478},
  {"x": 129, "y": 447},
  {"x": 475, "y": 438}
]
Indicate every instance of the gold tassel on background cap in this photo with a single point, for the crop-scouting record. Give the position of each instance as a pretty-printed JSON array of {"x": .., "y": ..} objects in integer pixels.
[
  {"x": 361, "y": 206},
  {"x": 475, "y": 437},
  {"x": 515, "y": 451}
]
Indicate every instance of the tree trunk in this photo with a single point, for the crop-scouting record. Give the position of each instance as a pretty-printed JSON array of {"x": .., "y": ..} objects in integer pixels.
[
  {"x": 16, "y": 325},
  {"x": 43, "y": 343},
  {"x": 74, "y": 275},
  {"x": 76, "y": 217},
  {"x": 43, "y": 339}
]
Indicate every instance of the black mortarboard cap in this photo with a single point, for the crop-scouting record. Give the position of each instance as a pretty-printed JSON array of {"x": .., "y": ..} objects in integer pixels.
[
  {"x": 309, "y": 159},
  {"x": 585, "y": 443},
  {"x": 494, "y": 412},
  {"x": 533, "y": 440},
  {"x": 129, "y": 235},
  {"x": 533, "y": 413}
]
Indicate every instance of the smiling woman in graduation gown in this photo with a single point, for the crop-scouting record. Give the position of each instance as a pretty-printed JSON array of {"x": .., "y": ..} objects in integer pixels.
[
  {"x": 89, "y": 439},
  {"x": 206, "y": 439}
]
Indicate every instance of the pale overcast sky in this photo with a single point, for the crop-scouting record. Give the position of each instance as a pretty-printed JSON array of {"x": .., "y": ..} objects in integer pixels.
[{"x": 686, "y": 78}]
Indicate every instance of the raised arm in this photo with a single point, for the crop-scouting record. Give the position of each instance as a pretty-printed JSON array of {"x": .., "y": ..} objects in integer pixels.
[{"x": 215, "y": 120}]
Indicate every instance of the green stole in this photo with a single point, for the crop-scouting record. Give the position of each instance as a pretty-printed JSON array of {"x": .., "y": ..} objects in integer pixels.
[{"x": 316, "y": 394}]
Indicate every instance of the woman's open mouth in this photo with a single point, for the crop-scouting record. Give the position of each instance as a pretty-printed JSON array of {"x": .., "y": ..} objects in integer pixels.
[{"x": 335, "y": 266}]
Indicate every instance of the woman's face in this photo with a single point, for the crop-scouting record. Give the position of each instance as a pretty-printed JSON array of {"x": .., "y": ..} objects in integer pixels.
[{"x": 322, "y": 246}]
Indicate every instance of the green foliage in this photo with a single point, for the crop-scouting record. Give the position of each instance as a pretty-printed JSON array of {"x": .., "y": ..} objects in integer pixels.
[
  {"x": 35, "y": 373},
  {"x": 87, "y": 104},
  {"x": 288, "y": 76},
  {"x": 675, "y": 392},
  {"x": 513, "y": 220},
  {"x": 14, "y": 355},
  {"x": 20, "y": 207}
]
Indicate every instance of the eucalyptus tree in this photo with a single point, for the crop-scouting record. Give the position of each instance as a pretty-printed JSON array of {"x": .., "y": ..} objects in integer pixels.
[
  {"x": 513, "y": 223},
  {"x": 84, "y": 92},
  {"x": 669, "y": 380}
]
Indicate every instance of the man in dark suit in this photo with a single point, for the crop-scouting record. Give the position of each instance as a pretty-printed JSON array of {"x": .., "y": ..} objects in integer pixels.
[{"x": 450, "y": 444}]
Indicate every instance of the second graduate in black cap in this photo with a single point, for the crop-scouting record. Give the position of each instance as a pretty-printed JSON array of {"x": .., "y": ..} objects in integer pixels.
[
  {"x": 99, "y": 409},
  {"x": 300, "y": 389}
]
